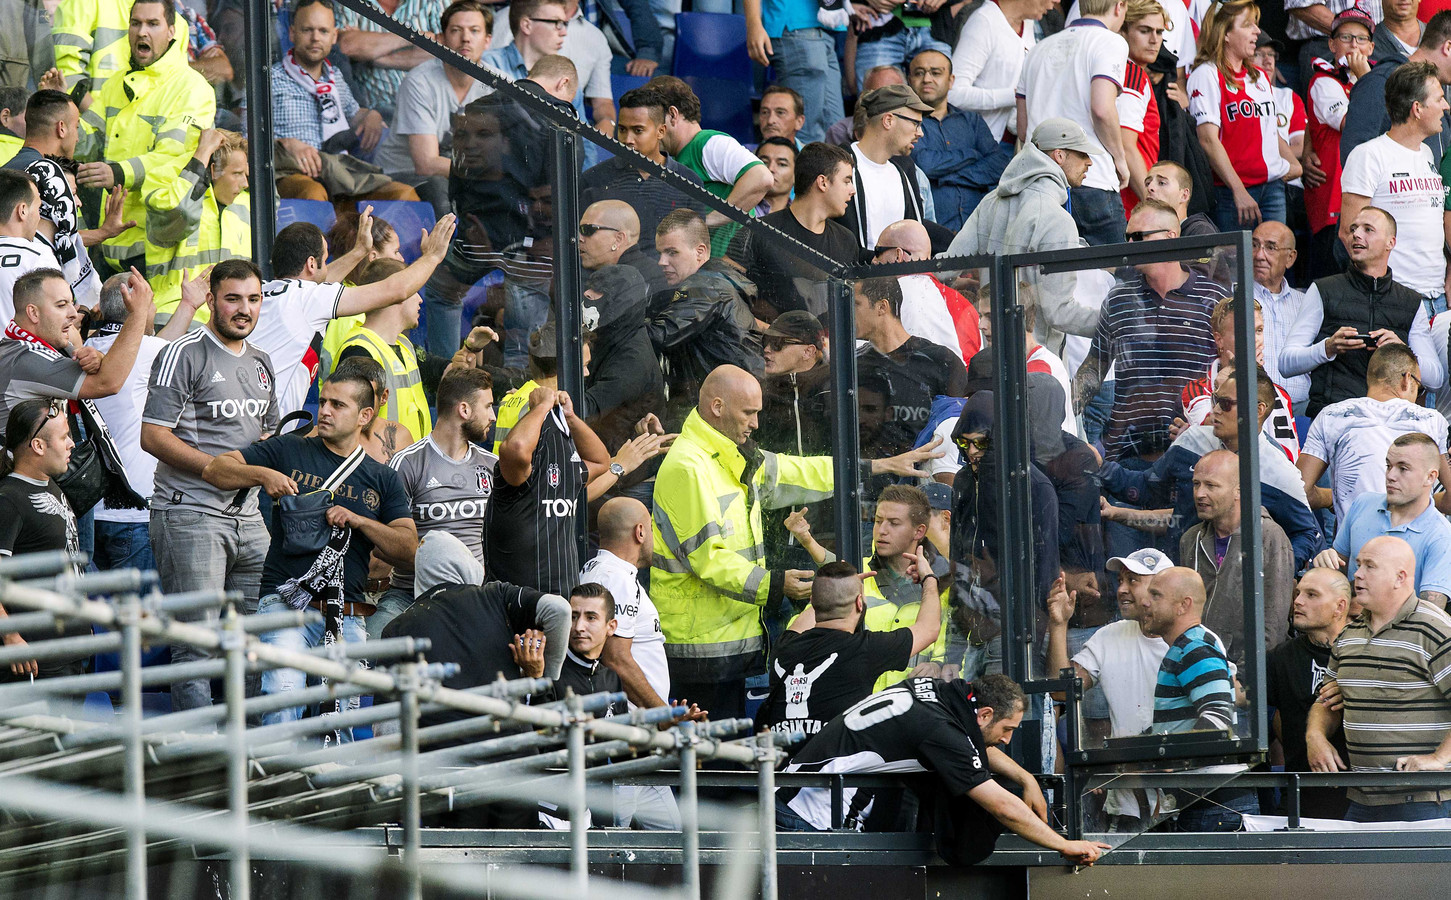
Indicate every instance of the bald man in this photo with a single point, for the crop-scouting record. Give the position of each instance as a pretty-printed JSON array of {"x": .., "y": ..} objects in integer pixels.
[
  {"x": 1212, "y": 549},
  {"x": 1195, "y": 691},
  {"x": 1273, "y": 252},
  {"x": 709, "y": 573},
  {"x": 1393, "y": 667},
  {"x": 609, "y": 234},
  {"x": 1295, "y": 672},
  {"x": 930, "y": 309}
]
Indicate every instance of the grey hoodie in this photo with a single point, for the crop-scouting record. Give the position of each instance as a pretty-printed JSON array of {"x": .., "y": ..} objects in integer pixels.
[{"x": 1026, "y": 214}]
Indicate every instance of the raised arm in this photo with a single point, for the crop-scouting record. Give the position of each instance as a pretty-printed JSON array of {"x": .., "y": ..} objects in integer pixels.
[
  {"x": 400, "y": 285},
  {"x": 117, "y": 363},
  {"x": 516, "y": 453}
]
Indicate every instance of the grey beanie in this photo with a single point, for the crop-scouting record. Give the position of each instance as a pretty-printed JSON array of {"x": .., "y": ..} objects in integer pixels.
[{"x": 443, "y": 559}]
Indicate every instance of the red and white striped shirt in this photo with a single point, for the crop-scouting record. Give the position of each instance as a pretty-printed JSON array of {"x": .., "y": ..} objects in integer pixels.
[
  {"x": 1248, "y": 124},
  {"x": 1139, "y": 111}
]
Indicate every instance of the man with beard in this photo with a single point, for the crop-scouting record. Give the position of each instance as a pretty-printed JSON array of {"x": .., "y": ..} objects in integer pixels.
[
  {"x": 449, "y": 477},
  {"x": 210, "y": 392}
]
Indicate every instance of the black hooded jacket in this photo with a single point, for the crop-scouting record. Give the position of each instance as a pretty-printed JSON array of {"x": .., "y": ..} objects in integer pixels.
[{"x": 624, "y": 381}]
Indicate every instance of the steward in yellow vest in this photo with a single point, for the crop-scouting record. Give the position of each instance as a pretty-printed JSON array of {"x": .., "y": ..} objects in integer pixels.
[{"x": 382, "y": 336}]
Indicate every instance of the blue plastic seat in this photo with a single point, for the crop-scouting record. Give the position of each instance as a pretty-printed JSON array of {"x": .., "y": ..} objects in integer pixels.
[
  {"x": 1302, "y": 428},
  {"x": 619, "y": 84},
  {"x": 711, "y": 45},
  {"x": 725, "y": 105},
  {"x": 318, "y": 212},
  {"x": 408, "y": 217}
]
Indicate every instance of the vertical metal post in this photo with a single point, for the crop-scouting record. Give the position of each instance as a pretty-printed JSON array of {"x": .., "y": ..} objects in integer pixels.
[
  {"x": 578, "y": 806},
  {"x": 568, "y": 284},
  {"x": 259, "y": 18},
  {"x": 766, "y": 799},
  {"x": 689, "y": 814},
  {"x": 1015, "y": 565},
  {"x": 134, "y": 765},
  {"x": 846, "y": 453},
  {"x": 1250, "y": 548},
  {"x": 234, "y": 645},
  {"x": 412, "y": 803}
]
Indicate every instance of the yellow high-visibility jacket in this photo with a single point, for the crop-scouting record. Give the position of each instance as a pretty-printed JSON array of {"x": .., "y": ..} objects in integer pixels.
[
  {"x": 406, "y": 404},
  {"x": 146, "y": 124},
  {"x": 884, "y": 615},
  {"x": 196, "y": 233},
  {"x": 511, "y": 409},
  {"x": 90, "y": 40},
  {"x": 709, "y": 577}
]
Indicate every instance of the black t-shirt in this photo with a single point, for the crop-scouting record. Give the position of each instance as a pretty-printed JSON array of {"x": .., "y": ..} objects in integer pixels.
[
  {"x": 585, "y": 677},
  {"x": 817, "y": 674},
  {"x": 34, "y": 518},
  {"x": 918, "y": 725},
  {"x": 783, "y": 280},
  {"x": 911, "y": 376},
  {"x": 530, "y": 527},
  {"x": 1294, "y": 672},
  {"x": 373, "y": 491}
]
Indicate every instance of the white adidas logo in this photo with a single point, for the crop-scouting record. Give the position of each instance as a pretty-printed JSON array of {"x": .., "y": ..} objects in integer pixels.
[
  {"x": 433, "y": 483},
  {"x": 217, "y": 378}
]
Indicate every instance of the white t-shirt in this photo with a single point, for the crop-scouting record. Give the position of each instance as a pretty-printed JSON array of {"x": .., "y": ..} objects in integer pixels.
[
  {"x": 583, "y": 45},
  {"x": 1406, "y": 184},
  {"x": 724, "y": 157},
  {"x": 1352, "y": 436},
  {"x": 1179, "y": 40},
  {"x": 289, "y": 330},
  {"x": 1058, "y": 78},
  {"x": 925, "y": 313},
  {"x": 19, "y": 257},
  {"x": 882, "y": 185},
  {"x": 1125, "y": 663},
  {"x": 636, "y": 615},
  {"x": 986, "y": 64},
  {"x": 122, "y": 412}
]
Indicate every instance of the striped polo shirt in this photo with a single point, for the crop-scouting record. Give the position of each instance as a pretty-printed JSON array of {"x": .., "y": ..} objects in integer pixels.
[
  {"x": 1157, "y": 346},
  {"x": 1194, "y": 690},
  {"x": 1397, "y": 688}
]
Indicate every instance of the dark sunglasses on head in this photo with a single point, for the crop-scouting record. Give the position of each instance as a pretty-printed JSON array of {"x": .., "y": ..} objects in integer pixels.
[
  {"x": 589, "y": 229},
  {"x": 51, "y": 412}
]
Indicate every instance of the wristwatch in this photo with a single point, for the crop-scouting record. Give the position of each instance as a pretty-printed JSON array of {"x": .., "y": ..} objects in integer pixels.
[{"x": 617, "y": 470}]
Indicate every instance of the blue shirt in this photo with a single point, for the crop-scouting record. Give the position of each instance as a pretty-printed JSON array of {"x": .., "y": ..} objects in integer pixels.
[
  {"x": 778, "y": 16},
  {"x": 962, "y": 162},
  {"x": 1194, "y": 686},
  {"x": 1429, "y": 535},
  {"x": 511, "y": 62}
]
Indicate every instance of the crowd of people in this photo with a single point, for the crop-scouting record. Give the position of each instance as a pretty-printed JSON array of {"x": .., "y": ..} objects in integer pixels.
[{"x": 165, "y": 406}]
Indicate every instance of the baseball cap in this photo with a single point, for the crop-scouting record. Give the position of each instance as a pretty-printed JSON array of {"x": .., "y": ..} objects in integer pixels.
[
  {"x": 890, "y": 99},
  {"x": 939, "y": 495},
  {"x": 1141, "y": 562},
  {"x": 1265, "y": 40},
  {"x": 543, "y": 344},
  {"x": 1063, "y": 134},
  {"x": 797, "y": 326},
  {"x": 1353, "y": 14}
]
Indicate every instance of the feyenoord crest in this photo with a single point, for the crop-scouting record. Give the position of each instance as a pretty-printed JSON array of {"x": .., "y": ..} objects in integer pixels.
[
  {"x": 263, "y": 379},
  {"x": 554, "y": 475},
  {"x": 482, "y": 474}
]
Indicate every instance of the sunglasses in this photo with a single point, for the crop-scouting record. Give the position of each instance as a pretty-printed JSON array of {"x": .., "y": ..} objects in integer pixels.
[
  {"x": 589, "y": 229},
  {"x": 51, "y": 412},
  {"x": 1225, "y": 404},
  {"x": 777, "y": 344},
  {"x": 966, "y": 443},
  {"x": 1144, "y": 235}
]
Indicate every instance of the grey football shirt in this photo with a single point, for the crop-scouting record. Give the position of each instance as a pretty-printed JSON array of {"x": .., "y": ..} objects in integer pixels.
[
  {"x": 445, "y": 494},
  {"x": 30, "y": 370},
  {"x": 216, "y": 401}
]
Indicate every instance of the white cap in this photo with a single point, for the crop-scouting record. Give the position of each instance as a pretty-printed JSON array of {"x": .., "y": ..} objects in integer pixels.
[{"x": 1141, "y": 562}]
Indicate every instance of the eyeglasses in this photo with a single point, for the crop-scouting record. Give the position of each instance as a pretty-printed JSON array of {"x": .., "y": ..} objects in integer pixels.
[
  {"x": 1267, "y": 246},
  {"x": 1225, "y": 404},
  {"x": 51, "y": 412},
  {"x": 777, "y": 344},
  {"x": 916, "y": 123},
  {"x": 1415, "y": 379},
  {"x": 589, "y": 229},
  {"x": 1352, "y": 38},
  {"x": 1144, "y": 235},
  {"x": 964, "y": 443},
  {"x": 558, "y": 24}
]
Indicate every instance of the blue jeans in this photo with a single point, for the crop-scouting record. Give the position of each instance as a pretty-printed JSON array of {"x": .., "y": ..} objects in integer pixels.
[
  {"x": 1099, "y": 214},
  {"x": 896, "y": 50},
  {"x": 444, "y": 321},
  {"x": 805, "y": 61},
  {"x": 525, "y": 310},
  {"x": 390, "y": 606},
  {"x": 1222, "y": 810},
  {"x": 124, "y": 545},
  {"x": 1270, "y": 196},
  {"x": 788, "y": 820},
  {"x": 277, "y": 681},
  {"x": 1415, "y": 811}
]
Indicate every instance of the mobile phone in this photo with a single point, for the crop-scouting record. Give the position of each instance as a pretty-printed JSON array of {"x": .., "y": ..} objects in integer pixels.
[{"x": 1367, "y": 338}]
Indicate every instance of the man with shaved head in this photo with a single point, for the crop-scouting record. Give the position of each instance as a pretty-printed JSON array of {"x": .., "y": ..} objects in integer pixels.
[
  {"x": 1393, "y": 667},
  {"x": 609, "y": 234},
  {"x": 1212, "y": 549},
  {"x": 709, "y": 573},
  {"x": 1295, "y": 672},
  {"x": 930, "y": 309}
]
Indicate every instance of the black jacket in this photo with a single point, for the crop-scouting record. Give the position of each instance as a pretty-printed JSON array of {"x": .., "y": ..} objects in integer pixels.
[
  {"x": 703, "y": 323},
  {"x": 647, "y": 266},
  {"x": 585, "y": 677},
  {"x": 1366, "y": 304},
  {"x": 624, "y": 381}
]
